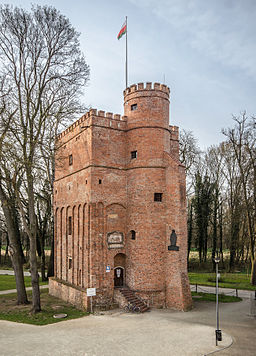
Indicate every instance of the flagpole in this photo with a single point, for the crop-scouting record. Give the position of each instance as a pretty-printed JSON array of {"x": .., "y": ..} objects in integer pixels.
[{"x": 126, "y": 62}]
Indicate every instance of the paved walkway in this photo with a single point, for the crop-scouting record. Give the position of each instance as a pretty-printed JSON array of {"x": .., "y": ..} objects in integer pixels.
[
  {"x": 158, "y": 332},
  {"x": 15, "y": 290},
  {"x": 10, "y": 272},
  {"x": 227, "y": 291}
]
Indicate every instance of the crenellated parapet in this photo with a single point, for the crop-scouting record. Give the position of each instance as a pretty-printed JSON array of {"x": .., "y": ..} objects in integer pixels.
[
  {"x": 109, "y": 115},
  {"x": 147, "y": 105},
  {"x": 147, "y": 87},
  {"x": 94, "y": 117}
]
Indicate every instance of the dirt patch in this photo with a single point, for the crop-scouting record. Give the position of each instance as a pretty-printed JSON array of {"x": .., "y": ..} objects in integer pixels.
[
  {"x": 9, "y": 310},
  {"x": 10, "y": 303}
]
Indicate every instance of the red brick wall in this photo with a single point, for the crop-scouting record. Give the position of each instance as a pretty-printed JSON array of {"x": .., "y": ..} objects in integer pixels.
[{"x": 104, "y": 190}]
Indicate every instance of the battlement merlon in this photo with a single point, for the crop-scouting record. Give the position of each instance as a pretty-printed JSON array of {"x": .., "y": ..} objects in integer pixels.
[
  {"x": 174, "y": 131},
  {"x": 85, "y": 119},
  {"x": 148, "y": 87},
  {"x": 174, "y": 143}
]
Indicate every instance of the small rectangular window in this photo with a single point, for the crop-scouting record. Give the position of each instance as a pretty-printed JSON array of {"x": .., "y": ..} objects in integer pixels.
[
  {"x": 133, "y": 154},
  {"x": 133, "y": 107},
  {"x": 69, "y": 263},
  {"x": 100, "y": 181},
  {"x": 133, "y": 234},
  {"x": 158, "y": 196},
  {"x": 70, "y": 225},
  {"x": 70, "y": 160}
]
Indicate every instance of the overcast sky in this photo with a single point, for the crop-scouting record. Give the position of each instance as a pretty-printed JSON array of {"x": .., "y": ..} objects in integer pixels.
[{"x": 204, "y": 50}]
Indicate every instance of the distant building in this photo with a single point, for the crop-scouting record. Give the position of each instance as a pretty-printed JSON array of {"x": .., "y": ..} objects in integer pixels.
[{"x": 119, "y": 192}]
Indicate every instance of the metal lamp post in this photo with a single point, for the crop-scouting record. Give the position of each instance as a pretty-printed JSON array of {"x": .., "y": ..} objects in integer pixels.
[{"x": 217, "y": 331}]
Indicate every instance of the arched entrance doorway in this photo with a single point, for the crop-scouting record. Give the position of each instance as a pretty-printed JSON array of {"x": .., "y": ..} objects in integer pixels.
[{"x": 119, "y": 270}]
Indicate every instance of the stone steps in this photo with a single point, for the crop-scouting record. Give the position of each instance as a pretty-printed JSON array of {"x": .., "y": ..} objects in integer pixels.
[{"x": 131, "y": 298}]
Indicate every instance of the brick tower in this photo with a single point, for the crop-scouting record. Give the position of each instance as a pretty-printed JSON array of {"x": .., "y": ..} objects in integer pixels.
[{"x": 119, "y": 195}]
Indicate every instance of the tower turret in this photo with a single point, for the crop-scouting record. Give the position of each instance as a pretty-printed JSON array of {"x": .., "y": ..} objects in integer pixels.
[
  {"x": 147, "y": 105},
  {"x": 155, "y": 199},
  {"x": 147, "y": 111}
]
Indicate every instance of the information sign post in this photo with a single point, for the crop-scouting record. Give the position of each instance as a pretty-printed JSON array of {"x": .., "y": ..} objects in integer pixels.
[{"x": 91, "y": 292}]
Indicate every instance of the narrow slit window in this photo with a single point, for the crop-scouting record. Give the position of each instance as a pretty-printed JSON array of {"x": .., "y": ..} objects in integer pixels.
[
  {"x": 158, "y": 196},
  {"x": 70, "y": 225},
  {"x": 70, "y": 160},
  {"x": 133, "y": 234},
  {"x": 133, "y": 154},
  {"x": 134, "y": 107},
  {"x": 69, "y": 263}
]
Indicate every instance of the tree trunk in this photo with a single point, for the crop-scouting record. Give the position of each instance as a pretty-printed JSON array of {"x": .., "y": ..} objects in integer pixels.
[
  {"x": 19, "y": 276},
  {"x": 232, "y": 256},
  {"x": 253, "y": 273},
  {"x": 17, "y": 256},
  {"x": 32, "y": 233},
  {"x": 205, "y": 244},
  {"x": 221, "y": 235},
  {"x": 235, "y": 221},
  {"x": 200, "y": 253},
  {"x": 6, "y": 249},
  {"x": 27, "y": 245},
  {"x": 17, "y": 259},
  {"x": 40, "y": 243},
  {"x": 214, "y": 236},
  {"x": 190, "y": 230},
  {"x": 34, "y": 277},
  {"x": 50, "y": 272},
  {"x": 247, "y": 253},
  {"x": 31, "y": 229},
  {"x": 44, "y": 278}
]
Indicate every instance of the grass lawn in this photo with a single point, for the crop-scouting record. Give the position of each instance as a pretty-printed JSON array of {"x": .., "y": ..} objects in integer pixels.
[
  {"x": 209, "y": 297},
  {"x": 227, "y": 280},
  {"x": 50, "y": 306},
  {"x": 8, "y": 282}
]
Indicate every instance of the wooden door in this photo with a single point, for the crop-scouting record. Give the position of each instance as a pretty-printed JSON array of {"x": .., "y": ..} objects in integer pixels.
[{"x": 119, "y": 277}]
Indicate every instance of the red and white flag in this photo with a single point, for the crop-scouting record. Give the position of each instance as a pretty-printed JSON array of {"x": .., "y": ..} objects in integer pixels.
[{"x": 122, "y": 31}]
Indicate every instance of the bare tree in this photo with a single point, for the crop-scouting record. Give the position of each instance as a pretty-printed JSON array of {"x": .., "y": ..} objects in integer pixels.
[
  {"x": 7, "y": 196},
  {"x": 190, "y": 156},
  {"x": 242, "y": 139},
  {"x": 41, "y": 60},
  {"x": 233, "y": 200},
  {"x": 213, "y": 161}
]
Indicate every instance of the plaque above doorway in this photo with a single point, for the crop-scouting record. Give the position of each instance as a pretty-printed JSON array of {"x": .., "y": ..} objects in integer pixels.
[{"x": 115, "y": 239}]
